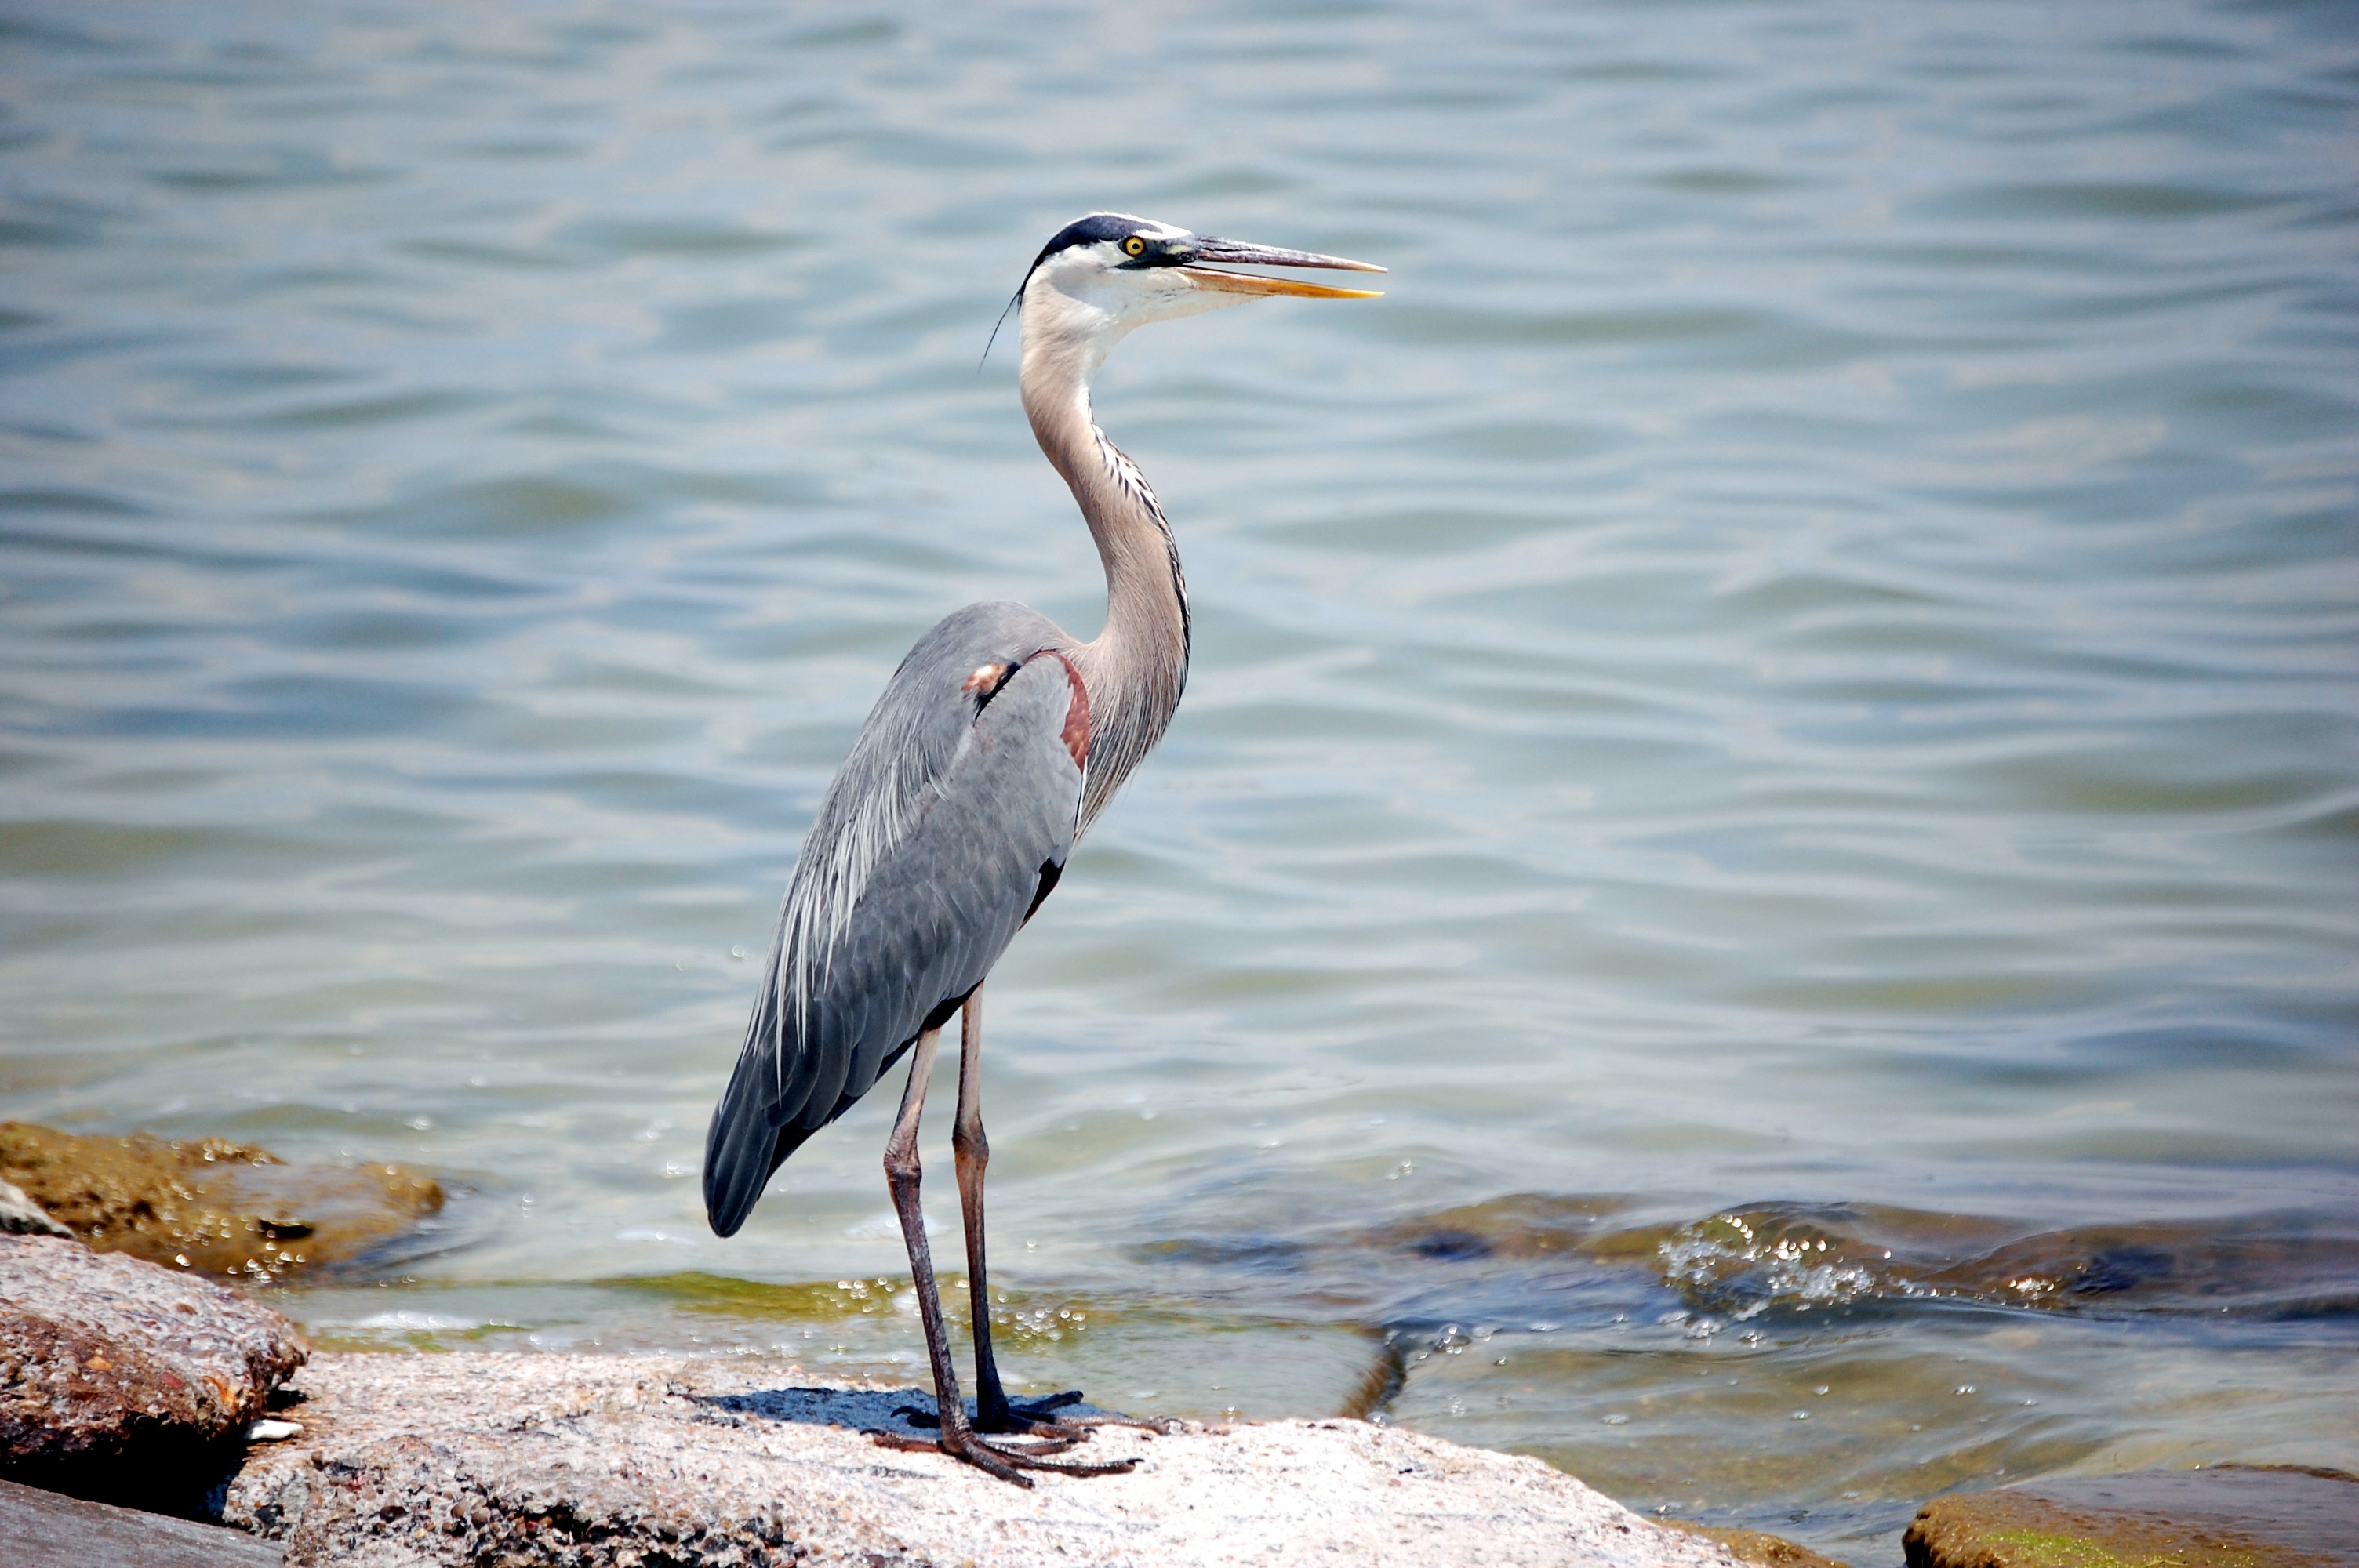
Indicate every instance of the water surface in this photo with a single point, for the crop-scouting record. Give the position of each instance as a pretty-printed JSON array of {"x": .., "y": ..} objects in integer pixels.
[{"x": 1791, "y": 684}]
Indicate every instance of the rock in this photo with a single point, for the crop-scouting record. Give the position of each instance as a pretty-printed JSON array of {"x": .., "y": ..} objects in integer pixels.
[
  {"x": 122, "y": 1380},
  {"x": 42, "y": 1529},
  {"x": 20, "y": 1215},
  {"x": 209, "y": 1204},
  {"x": 1760, "y": 1548},
  {"x": 2227, "y": 1517},
  {"x": 521, "y": 1459}
]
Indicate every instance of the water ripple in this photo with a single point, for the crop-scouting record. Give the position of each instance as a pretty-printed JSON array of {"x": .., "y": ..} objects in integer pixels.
[{"x": 1804, "y": 648}]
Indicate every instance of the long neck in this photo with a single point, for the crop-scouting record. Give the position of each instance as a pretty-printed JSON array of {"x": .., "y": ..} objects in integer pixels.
[{"x": 1136, "y": 667}]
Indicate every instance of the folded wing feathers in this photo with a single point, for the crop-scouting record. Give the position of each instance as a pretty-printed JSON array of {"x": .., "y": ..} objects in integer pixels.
[
  {"x": 882, "y": 791},
  {"x": 907, "y": 751}
]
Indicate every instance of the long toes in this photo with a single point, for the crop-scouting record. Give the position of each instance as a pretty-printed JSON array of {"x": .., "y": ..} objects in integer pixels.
[
  {"x": 991, "y": 1462},
  {"x": 1040, "y": 1442},
  {"x": 986, "y": 1458},
  {"x": 1151, "y": 1424},
  {"x": 1005, "y": 1461},
  {"x": 1075, "y": 1467}
]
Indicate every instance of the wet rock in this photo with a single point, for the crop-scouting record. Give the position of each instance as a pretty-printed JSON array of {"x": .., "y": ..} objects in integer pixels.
[
  {"x": 2228, "y": 1517},
  {"x": 20, "y": 1215},
  {"x": 209, "y": 1204},
  {"x": 1761, "y": 1548},
  {"x": 1797, "y": 1258},
  {"x": 43, "y": 1530},
  {"x": 521, "y": 1459},
  {"x": 122, "y": 1380}
]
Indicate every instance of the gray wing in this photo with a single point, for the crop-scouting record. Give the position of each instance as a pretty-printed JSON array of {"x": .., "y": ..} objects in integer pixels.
[{"x": 947, "y": 825}]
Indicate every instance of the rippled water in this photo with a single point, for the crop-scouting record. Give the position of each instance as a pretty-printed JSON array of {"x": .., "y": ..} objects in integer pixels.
[{"x": 1792, "y": 683}]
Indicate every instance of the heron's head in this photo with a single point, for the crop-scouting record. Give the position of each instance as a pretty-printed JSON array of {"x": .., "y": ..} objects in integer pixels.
[{"x": 1106, "y": 273}]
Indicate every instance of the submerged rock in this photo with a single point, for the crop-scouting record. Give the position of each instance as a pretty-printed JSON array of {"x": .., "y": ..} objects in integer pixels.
[
  {"x": 522, "y": 1459},
  {"x": 2228, "y": 1517},
  {"x": 120, "y": 1379},
  {"x": 1801, "y": 1257},
  {"x": 209, "y": 1204},
  {"x": 1761, "y": 1548}
]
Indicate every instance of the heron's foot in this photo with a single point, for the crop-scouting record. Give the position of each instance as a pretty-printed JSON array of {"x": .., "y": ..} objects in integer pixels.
[
  {"x": 1043, "y": 1417},
  {"x": 1029, "y": 1418},
  {"x": 1059, "y": 1437},
  {"x": 916, "y": 1415},
  {"x": 1006, "y": 1461}
]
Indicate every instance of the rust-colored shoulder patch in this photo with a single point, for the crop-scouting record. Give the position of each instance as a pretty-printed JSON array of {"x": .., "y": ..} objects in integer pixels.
[{"x": 1076, "y": 733}]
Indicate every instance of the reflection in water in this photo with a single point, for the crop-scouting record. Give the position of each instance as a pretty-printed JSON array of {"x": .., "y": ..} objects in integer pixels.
[{"x": 1802, "y": 653}]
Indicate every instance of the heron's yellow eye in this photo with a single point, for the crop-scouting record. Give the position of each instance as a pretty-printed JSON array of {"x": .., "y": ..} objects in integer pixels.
[{"x": 1135, "y": 246}]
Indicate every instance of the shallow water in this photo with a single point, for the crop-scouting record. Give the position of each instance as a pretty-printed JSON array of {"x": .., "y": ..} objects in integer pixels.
[{"x": 1797, "y": 667}]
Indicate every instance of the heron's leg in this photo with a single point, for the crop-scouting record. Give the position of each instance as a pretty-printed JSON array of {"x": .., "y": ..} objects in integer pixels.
[
  {"x": 972, "y": 1150},
  {"x": 902, "y": 1175},
  {"x": 993, "y": 1411}
]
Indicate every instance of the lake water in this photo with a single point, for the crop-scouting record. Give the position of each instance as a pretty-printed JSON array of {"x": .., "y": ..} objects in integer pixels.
[{"x": 1757, "y": 888}]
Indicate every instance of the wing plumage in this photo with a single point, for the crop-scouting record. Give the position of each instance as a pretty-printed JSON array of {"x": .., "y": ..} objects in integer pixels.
[{"x": 957, "y": 804}]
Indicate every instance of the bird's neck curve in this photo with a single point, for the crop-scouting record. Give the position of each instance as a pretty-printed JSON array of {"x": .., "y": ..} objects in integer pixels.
[{"x": 1136, "y": 667}]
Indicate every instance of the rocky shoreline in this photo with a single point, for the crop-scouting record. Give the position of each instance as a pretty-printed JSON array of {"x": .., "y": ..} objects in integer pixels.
[
  {"x": 134, "y": 1382},
  {"x": 145, "y": 1383},
  {"x": 528, "y": 1459}
]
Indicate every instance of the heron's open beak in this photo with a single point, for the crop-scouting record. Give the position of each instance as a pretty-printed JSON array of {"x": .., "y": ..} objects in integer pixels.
[{"x": 1209, "y": 249}]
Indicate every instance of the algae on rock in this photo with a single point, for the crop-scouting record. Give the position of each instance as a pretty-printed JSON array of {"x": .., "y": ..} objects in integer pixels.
[
  {"x": 210, "y": 1203},
  {"x": 2228, "y": 1516}
]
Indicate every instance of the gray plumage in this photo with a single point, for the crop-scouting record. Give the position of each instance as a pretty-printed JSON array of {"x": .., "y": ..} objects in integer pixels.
[
  {"x": 947, "y": 824},
  {"x": 995, "y": 744}
]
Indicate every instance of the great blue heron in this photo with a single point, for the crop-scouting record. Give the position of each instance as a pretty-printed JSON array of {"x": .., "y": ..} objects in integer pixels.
[{"x": 994, "y": 745}]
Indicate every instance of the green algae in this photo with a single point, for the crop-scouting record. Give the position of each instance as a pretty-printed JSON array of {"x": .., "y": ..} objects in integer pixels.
[
  {"x": 2154, "y": 1520},
  {"x": 1019, "y": 1318},
  {"x": 212, "y": 1204},
  {"x": 2045, "y": 1549},
  {"x": 2039, "y": 1549}
]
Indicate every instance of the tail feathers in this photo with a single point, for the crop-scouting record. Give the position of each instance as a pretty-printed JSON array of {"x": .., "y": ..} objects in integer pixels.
[
  {"x": 746, "y": 1144},
  {"x": 742, "y": 1150}
]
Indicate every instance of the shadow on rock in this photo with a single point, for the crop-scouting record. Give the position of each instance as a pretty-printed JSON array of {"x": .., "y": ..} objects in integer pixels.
[{"x": 859, "y": 1410}]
